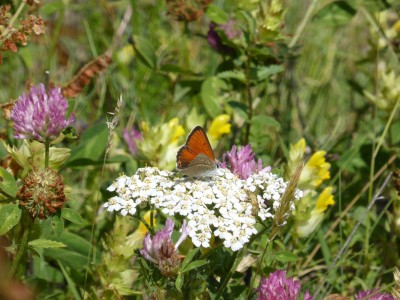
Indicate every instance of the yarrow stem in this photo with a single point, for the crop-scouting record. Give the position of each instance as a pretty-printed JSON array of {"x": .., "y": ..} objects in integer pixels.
[{"x": 22, "y": 248}]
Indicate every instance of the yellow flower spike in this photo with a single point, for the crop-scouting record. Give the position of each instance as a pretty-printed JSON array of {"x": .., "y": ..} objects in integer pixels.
[
  {"x": 144, "y": 126},
  {"x": 316, "y": 170},
  {"x": 324, "y": 200},
  {"x": 142, "y": 228},
  {"x": 297, "y": 150},
  {"x": 396, "y": 26},
  {"x": 219, "y": 126},
  {"x": 178, "y": 130},
  {"x": 296, "y": 153}
]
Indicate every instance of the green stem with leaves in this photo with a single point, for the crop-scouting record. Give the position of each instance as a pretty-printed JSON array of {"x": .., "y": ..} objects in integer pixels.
[
  {"x": 237, "y": 257},
  {"x": 23, "y": 246}
]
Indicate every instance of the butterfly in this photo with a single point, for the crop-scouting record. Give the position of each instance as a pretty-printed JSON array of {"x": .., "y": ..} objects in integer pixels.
[{"x": 196, "y": 157}]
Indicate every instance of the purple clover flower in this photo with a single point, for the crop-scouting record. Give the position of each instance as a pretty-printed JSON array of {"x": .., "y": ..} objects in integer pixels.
[
  {"x": 373, "y": 295},
  {"x": 40, "y": 115},
  {"x": 278, "y": 287},
  {"x": 230, "y": 29},
  {"x": 242, "y": 162},
  {"x": 161, "y": 250},
  {"x": 215, "y": 42},
  {"x": 131, "y": 136}
]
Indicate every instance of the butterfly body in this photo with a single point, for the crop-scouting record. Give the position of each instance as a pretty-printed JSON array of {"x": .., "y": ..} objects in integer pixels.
[{"x": 196, "y": 157}]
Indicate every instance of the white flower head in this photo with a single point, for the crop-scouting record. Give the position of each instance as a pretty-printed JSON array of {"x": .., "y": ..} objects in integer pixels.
[{"x": 218, "y": 205}]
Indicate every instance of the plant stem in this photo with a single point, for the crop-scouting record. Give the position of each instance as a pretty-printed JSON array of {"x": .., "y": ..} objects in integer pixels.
[
  {"x": 46, "y": 152},
  {"x": 22, "y": 248},
  {"x": 237, "y": 258},
  {"x": 249, "y": 100},
  {"x": 14, "y": 18}
]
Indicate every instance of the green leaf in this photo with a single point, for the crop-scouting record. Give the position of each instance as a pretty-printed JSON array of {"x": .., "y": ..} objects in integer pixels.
[
  {"x": 326, "y": 253},
  {"x": 92, "y": 145},
  {"x": 179, "y": 282},
  {"x": 73, "y": 259},
  {"x": 211, "y": 94},
  {"x": 71, "y": 215},
  {"x": 145, "y": 51},
  {"x": 43, "y": 243},
  {"x": 240, "y": 108},
  {"x": 57, "y": 224},
  {"x": 336, "y": 13},
  {"x": 71, "y": 284},
  {"x": 194, "y": 265},
  {"x": 265, "y": 72},
  {"x": 10, "y": 214},
  {"x": 285, "y": 257},
  {"x": 239, "y": 75},
  {"x": 216, "y": 14},
  {"x": 7, "y": 183},
  {"x": 189, "y": 257},
  {"x": 266, "y": 121}
]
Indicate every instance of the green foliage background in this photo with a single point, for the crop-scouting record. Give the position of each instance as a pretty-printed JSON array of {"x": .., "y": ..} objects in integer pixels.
[{"x": 328, "y": 57}]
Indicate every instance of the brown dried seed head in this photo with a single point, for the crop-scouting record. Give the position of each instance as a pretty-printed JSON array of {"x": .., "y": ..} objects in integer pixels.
[{"x": 42, "y": 193}]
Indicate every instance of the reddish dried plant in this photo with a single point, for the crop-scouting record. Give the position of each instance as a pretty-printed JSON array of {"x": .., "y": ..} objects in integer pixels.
[
  {"x": 11, "y": 36},
  {"x": 42, "y": 193},
  {"x": 85, "y": 74},
  {"x": 187, "y": 10}
]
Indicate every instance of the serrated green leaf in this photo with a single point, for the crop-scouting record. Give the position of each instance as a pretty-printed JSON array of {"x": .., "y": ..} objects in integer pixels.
[
  {"x": 10, "y": 214},
  {"x": 145, "y": 51},
  {"x": 179, "y": 282},
  {"x": 194, "y": 265},
  {"x": 71, "y": 215},
  {"x": 43, "y": 243},
  {"x": 7, "y": 183},
  {"x": 216, "y": 14},
  {"x": 285, "y": 257}
]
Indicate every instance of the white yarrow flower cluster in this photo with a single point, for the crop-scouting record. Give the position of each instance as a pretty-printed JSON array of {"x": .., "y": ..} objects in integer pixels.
[{"x": 218, "y": 205}]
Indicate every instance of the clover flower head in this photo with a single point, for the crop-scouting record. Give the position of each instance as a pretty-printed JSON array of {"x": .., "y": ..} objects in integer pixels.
[
  {"x": 278, "y": 287},
  {"x": 242, "y": 162},
  {"x": 218, "y": 205},
  {"x": 40, "y": 114},
  {"x": 373, "y": 295},
  {"x": 131, "y": 136},
  {"x": 231, "y": 29},
  {"x": 161, "y": 250}
]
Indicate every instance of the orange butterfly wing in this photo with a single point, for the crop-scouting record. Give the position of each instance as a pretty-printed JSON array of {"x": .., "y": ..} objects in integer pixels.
[{"x": 196, "y": 143}]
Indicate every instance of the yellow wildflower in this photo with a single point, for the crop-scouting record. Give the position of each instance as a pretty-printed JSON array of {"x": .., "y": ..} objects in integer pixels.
[
  {"x": 324, "y": 200},
  {"x": 315, "y": 171},
  {"x": 219, "y": 126},
  {"x": 142, "y": 228},
  {"x": 160, "y": 143},
  {"x": 307, "y": 221},
  {"x": 177, "y": 130}
]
